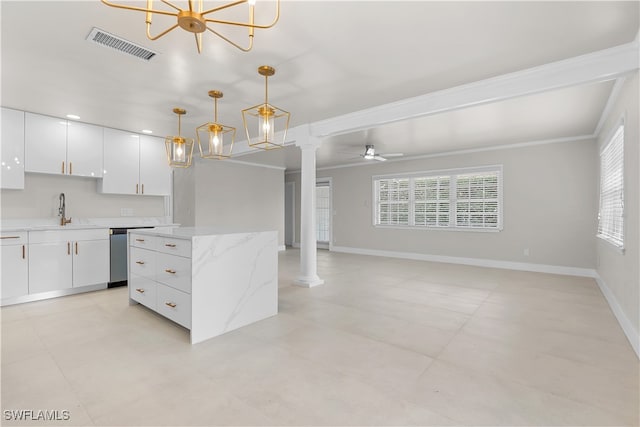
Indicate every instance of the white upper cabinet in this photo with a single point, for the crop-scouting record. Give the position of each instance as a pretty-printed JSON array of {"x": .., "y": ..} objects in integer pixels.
[
  {"x": 134, "y": 164},
  {"x": 155, "y": 172},
  {"x": 58, "y": 146},
  {"x": 121, "y": 162},
  {"x": 84, "y": 149},
  {"x": 45, "y": 144},
  {"x": 12, "y": 149}
]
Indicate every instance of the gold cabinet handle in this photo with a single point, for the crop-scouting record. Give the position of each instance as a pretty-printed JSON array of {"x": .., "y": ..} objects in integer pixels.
[
  {"x": 76, "y": 248},
  {"x": 142, "y": 188},
  {"x": 23, "y": 252},
  {"x": 170, "y": 271},
  {"x": 140, "y": 290},
  {"x": 68, "y": 248},
  {"x": 139, "y": 240},
  {"x": 10, "y": 237},
  {"x": 170, "y": 245},
  {"x": 70, "y": 168},
  {"x": 63, "y": 167},
  {"x": 171, "y": 304},
  {"x": 137, "y": 188},
  {"x": 140, "y": 262}
]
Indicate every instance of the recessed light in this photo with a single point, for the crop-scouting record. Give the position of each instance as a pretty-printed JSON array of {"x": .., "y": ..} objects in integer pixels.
[
  {"x": 147, "y": 131},
  {"x": 73, "y": 117}
]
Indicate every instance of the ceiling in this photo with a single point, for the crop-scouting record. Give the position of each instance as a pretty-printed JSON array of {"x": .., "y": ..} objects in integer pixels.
[{"x": 331, "y": 58}]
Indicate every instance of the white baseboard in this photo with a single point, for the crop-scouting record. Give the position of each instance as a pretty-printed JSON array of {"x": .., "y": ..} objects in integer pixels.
[
  {"x": 479, "y": 262},
  {"x": 282, "y": 248},
  {"x": 629, "y": 330}
]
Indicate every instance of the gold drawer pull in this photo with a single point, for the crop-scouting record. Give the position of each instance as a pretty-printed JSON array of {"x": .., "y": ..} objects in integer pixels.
[
  {"x": 10, "y": 237},
  {"x": 168, "y": 270},
  {"x": 171, "y": 304},
  {"x": 170, "y": 245},
  {"x": 139, "y": 240},
  {"x": 140, "y": 262},
  {"x": 140, "y": 290}
]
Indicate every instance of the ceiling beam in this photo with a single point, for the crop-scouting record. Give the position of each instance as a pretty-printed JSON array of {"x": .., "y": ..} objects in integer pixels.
[{"x": 593, "y": 67}]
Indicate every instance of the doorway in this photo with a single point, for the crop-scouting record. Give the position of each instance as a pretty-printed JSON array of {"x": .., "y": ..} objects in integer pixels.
[{"x": 289, "y": 213}]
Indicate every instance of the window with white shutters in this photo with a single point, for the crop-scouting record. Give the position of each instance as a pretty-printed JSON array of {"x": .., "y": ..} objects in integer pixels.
[
  {"x": 392, "y": 201},
  {"x": 460, "y": 198},
  {"x": 431, "y": 201},
  {"x": 611, "y": 211},
  {"x": 477, "y": 200},
  {"x": 323, "y": 212}
]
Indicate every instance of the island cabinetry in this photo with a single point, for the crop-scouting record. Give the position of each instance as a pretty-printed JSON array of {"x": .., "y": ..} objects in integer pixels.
[
  {"x": 12, "y": 149},
  {"x": 15, "y": 264},
  {"x": 210, "y": 281}
]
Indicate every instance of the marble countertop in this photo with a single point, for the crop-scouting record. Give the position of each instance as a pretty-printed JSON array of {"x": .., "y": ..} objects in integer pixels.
[
  {"x": 190, "y": 232},
  {"x": 82, "y": 224}
]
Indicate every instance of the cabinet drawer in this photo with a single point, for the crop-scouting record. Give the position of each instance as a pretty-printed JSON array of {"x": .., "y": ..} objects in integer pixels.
[
  {"x": 143, "y": 241},
  {"x": 13, "y": 238},
  {"x": 172, "y": 246},
  {"x": 143, "y": 290},
  {"x": 174, "y": 305},
  {"x": 174, "y": 271},
  {"x": 142, "y": 262}
]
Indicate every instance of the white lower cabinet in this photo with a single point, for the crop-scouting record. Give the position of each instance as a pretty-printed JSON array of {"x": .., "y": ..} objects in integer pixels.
[
  {"x": 174, "y": 304},
  {"x": 89, "y": 266},
  {"x": 50, "y": 267},
  {"x": 61, "y": 259},
  {"x": 15, "y": 264},
  {"x": 143, "y": 290},
  {"x": 159, "y": 278}
]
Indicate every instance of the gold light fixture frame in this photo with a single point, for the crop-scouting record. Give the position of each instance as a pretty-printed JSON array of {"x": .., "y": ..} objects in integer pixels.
[
  {"x": 194, "y": 19},
  {"x": 179, "y": 149},
  {"x": 219, "y": 151},
  {"x": 266, "y": 113}
]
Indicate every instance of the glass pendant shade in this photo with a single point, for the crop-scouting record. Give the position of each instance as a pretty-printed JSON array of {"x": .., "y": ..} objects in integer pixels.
[
  {"x": 215, "y": 140},
  {"x": 266, "y": 125},
  {"x": 179, "y": 149}
]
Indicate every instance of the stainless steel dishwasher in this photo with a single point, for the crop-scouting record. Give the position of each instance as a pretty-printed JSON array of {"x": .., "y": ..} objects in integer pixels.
[{"x": 118, "y": 253}]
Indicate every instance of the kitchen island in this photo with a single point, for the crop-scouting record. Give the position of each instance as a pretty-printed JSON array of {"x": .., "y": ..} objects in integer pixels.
[{"x": 211, "y": 280}]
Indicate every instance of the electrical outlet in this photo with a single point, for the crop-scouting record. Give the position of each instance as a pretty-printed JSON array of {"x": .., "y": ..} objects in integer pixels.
[
  {"x": 126, "y": 211},
  {"x": 526, "y": 251}
]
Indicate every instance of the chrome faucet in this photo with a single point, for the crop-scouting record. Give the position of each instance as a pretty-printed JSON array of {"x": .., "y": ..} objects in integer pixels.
[{"x": 62, "y": 211}]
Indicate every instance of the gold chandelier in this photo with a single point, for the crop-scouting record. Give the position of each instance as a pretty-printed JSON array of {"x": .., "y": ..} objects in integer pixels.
[
  {"x": 194, "y": 19},
  {"x": 216, "y": 135},
  {"x": 266, "y": 119},
  {"x": 179, "y": 149}
]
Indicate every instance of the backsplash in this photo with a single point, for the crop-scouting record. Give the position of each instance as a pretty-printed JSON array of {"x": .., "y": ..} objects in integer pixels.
[{"x": 39, "y": 199}]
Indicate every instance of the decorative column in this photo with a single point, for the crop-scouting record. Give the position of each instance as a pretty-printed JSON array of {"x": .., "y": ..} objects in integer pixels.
[{"x": 308, "y": 244}]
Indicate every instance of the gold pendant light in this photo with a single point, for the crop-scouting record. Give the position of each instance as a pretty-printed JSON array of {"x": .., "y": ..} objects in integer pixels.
[
  {"x": 193, "y": 19},
  {"x": 179, "y": 149},
  {"x": 218, "y": 138},
  {"x": 269, "y": 123}
]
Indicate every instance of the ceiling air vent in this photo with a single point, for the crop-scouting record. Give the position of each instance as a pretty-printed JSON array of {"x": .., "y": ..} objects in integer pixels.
[{"x": 103, "y": 38}]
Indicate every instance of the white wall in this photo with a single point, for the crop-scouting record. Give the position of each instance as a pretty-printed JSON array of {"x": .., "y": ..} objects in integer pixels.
[
  {"x": 39, "y": 199},
  {"x": 230, "y": 194},
  {"x": 550, "y": 206},
  {"x": 619, "y": 272}
]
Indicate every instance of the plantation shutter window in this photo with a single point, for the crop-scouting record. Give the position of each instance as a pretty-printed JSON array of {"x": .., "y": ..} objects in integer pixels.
[
  {"x": 431, "y": 201},
  {"x": 611, "y": 210},
  {"x": 477, "y": 200},
  {"x": 393, "y": 202},
  {"x": 468, "y": 199}
]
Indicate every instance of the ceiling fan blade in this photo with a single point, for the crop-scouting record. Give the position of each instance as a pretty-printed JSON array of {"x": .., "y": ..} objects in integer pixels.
[
  {"x": 379, "y": 158},
  {"x": 392, "y": 154}
]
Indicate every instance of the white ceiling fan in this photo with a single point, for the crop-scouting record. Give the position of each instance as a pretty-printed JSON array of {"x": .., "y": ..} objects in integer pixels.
[{"x": 370, "y": 154}]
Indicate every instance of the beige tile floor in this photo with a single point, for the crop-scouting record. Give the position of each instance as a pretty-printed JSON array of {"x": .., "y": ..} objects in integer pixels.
[{"x": 382, "y": 342}]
